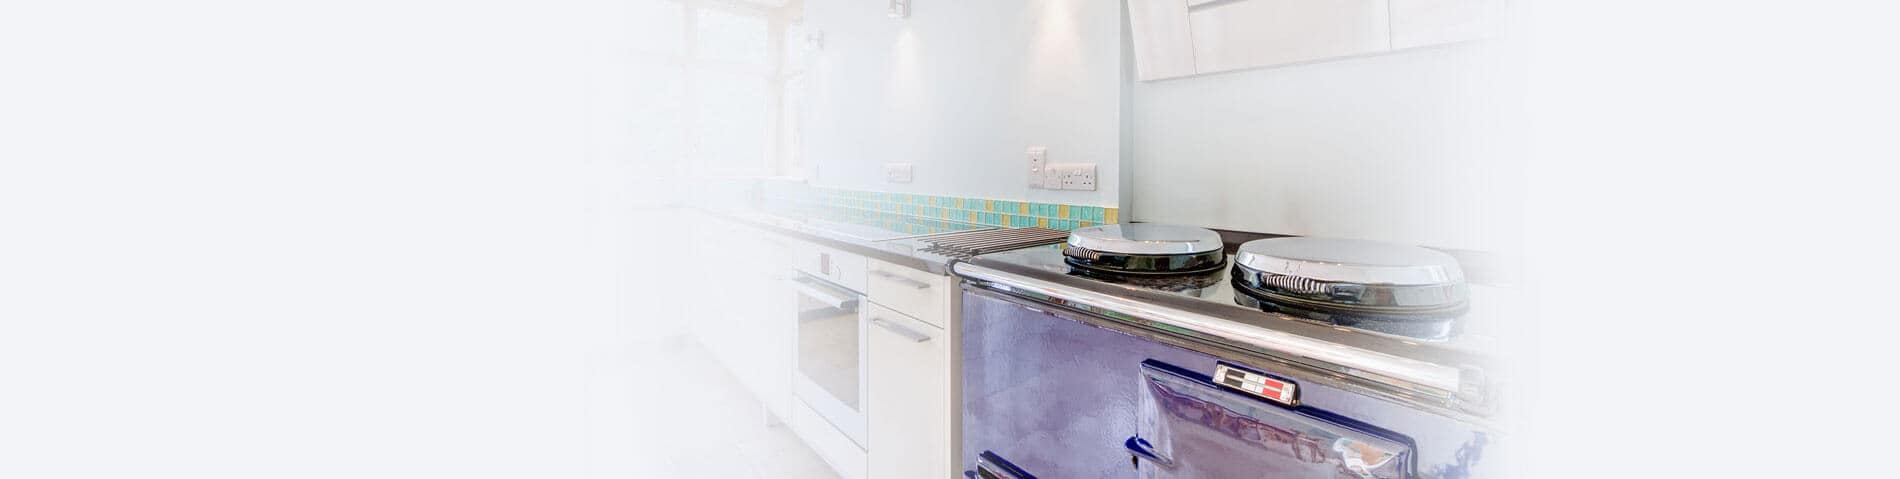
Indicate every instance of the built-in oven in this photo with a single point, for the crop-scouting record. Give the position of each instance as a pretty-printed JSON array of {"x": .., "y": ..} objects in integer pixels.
[{"x": 830, "y": 373}]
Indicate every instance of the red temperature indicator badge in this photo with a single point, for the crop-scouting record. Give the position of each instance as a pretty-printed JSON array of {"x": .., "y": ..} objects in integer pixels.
[{"x": 1258, "y": 384}]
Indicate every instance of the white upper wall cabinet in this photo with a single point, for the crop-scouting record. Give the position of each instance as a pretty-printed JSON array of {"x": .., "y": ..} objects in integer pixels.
[
  {"x": 1163, "y": 46},
  {"x": 1418, "y": 23},
  {"x": 1236, "y": 34},
  {"x": 1177, "y": 38}
]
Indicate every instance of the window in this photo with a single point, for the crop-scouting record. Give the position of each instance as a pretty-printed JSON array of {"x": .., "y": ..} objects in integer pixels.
[{"x": 709, "y": 90}]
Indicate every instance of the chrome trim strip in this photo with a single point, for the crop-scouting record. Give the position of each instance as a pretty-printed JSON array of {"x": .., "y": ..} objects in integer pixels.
[{"x": 1368, "y": 365}]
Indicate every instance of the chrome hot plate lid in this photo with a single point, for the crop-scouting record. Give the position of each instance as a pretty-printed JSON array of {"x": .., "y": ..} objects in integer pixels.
[
  {"x": 1145, "y": 239},
  {"x": 1145, "y": 249}
]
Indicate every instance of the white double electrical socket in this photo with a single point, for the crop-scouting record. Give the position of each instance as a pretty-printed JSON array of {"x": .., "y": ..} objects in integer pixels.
[
  {"x": 1073, "y": 176},
  {"x": 1058, "y": 176}
]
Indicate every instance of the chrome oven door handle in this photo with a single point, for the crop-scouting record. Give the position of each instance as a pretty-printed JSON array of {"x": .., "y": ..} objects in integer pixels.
[
  {"x": 826, "y": 295},
  {"x": 900, "y": 330}
]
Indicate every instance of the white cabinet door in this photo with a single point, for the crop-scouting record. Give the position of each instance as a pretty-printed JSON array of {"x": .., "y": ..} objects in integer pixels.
[
  {"x": 1235, "y": 34},
  {"x": 1417, "y": 23},
  {"x": 909, "y": 411},
  {"x": 751, "y": 339},
  {"x": 770, "y": 321},
  {"x": 1163, "y": 46},
  {"x": 711, "y": 321}
]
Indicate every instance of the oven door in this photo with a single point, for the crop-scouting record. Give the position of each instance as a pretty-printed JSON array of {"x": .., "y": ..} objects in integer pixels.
[{"x": 830, "y": 372}]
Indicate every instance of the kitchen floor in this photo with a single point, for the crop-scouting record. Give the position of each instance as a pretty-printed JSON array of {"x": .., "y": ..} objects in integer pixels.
[{"x": 665, "y": 409}]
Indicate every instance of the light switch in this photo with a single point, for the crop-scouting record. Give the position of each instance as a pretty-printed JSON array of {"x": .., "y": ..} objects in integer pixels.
[{"x": 1038, "y": 159}]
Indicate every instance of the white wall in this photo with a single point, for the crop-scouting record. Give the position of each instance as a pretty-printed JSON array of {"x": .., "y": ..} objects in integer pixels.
[
  {"x": 354, "y": 238},
  {"x": 1404, "y": 147},
  {"x": 960, "y": 89}
]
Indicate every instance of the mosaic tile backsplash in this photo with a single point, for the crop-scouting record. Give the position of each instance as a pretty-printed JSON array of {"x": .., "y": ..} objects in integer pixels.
[{"x": 1014, "y": 214}]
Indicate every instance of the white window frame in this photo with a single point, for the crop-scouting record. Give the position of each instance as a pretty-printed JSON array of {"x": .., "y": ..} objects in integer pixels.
[{"x": 772, "y": 161}]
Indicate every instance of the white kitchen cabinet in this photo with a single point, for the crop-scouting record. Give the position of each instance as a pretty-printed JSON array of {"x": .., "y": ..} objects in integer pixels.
[
  {"x": 1235, "y": 34},
  {"x": 1418, "y": 23},
  {"x": 1177, "y": 38},
  {"x": 770, "y": 356},
  {"x": 746, "y": 338},
  {"x": 909, "y": 397},
  {"x": 711, "y": 322},
  {"x": 1164, "y": 48}
]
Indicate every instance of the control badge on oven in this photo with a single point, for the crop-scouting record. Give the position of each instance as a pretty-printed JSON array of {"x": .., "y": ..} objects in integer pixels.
[{"x": 1256, "y": 383}]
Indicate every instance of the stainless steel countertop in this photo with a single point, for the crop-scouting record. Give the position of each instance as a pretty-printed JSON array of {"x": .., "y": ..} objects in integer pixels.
[{"x": 904, "y": 251}]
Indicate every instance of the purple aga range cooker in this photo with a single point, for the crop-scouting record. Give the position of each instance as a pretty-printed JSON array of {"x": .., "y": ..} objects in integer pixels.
[{"x": 1143, "y": 351}]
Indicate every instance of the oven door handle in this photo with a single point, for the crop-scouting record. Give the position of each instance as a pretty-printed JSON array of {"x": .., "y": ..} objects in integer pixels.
[
  {"x": 1142, "y": 449},
  {"x": 827, "y": 295}
]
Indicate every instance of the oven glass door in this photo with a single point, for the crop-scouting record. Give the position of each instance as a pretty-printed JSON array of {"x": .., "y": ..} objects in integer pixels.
[{"x": 831, "y": 354}]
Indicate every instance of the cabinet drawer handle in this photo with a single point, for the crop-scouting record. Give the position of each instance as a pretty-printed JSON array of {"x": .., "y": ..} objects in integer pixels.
[
  {"x": 900, "y": 330},
  {"x": 900, "y": 278}
]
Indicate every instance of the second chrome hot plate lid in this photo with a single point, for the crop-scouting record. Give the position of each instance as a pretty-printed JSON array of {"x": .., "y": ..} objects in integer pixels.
[
  {"x": 1352, "y": 274},
  {"x": 1389, "y": 288},
  {"x": 1349, "y": 261}
]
